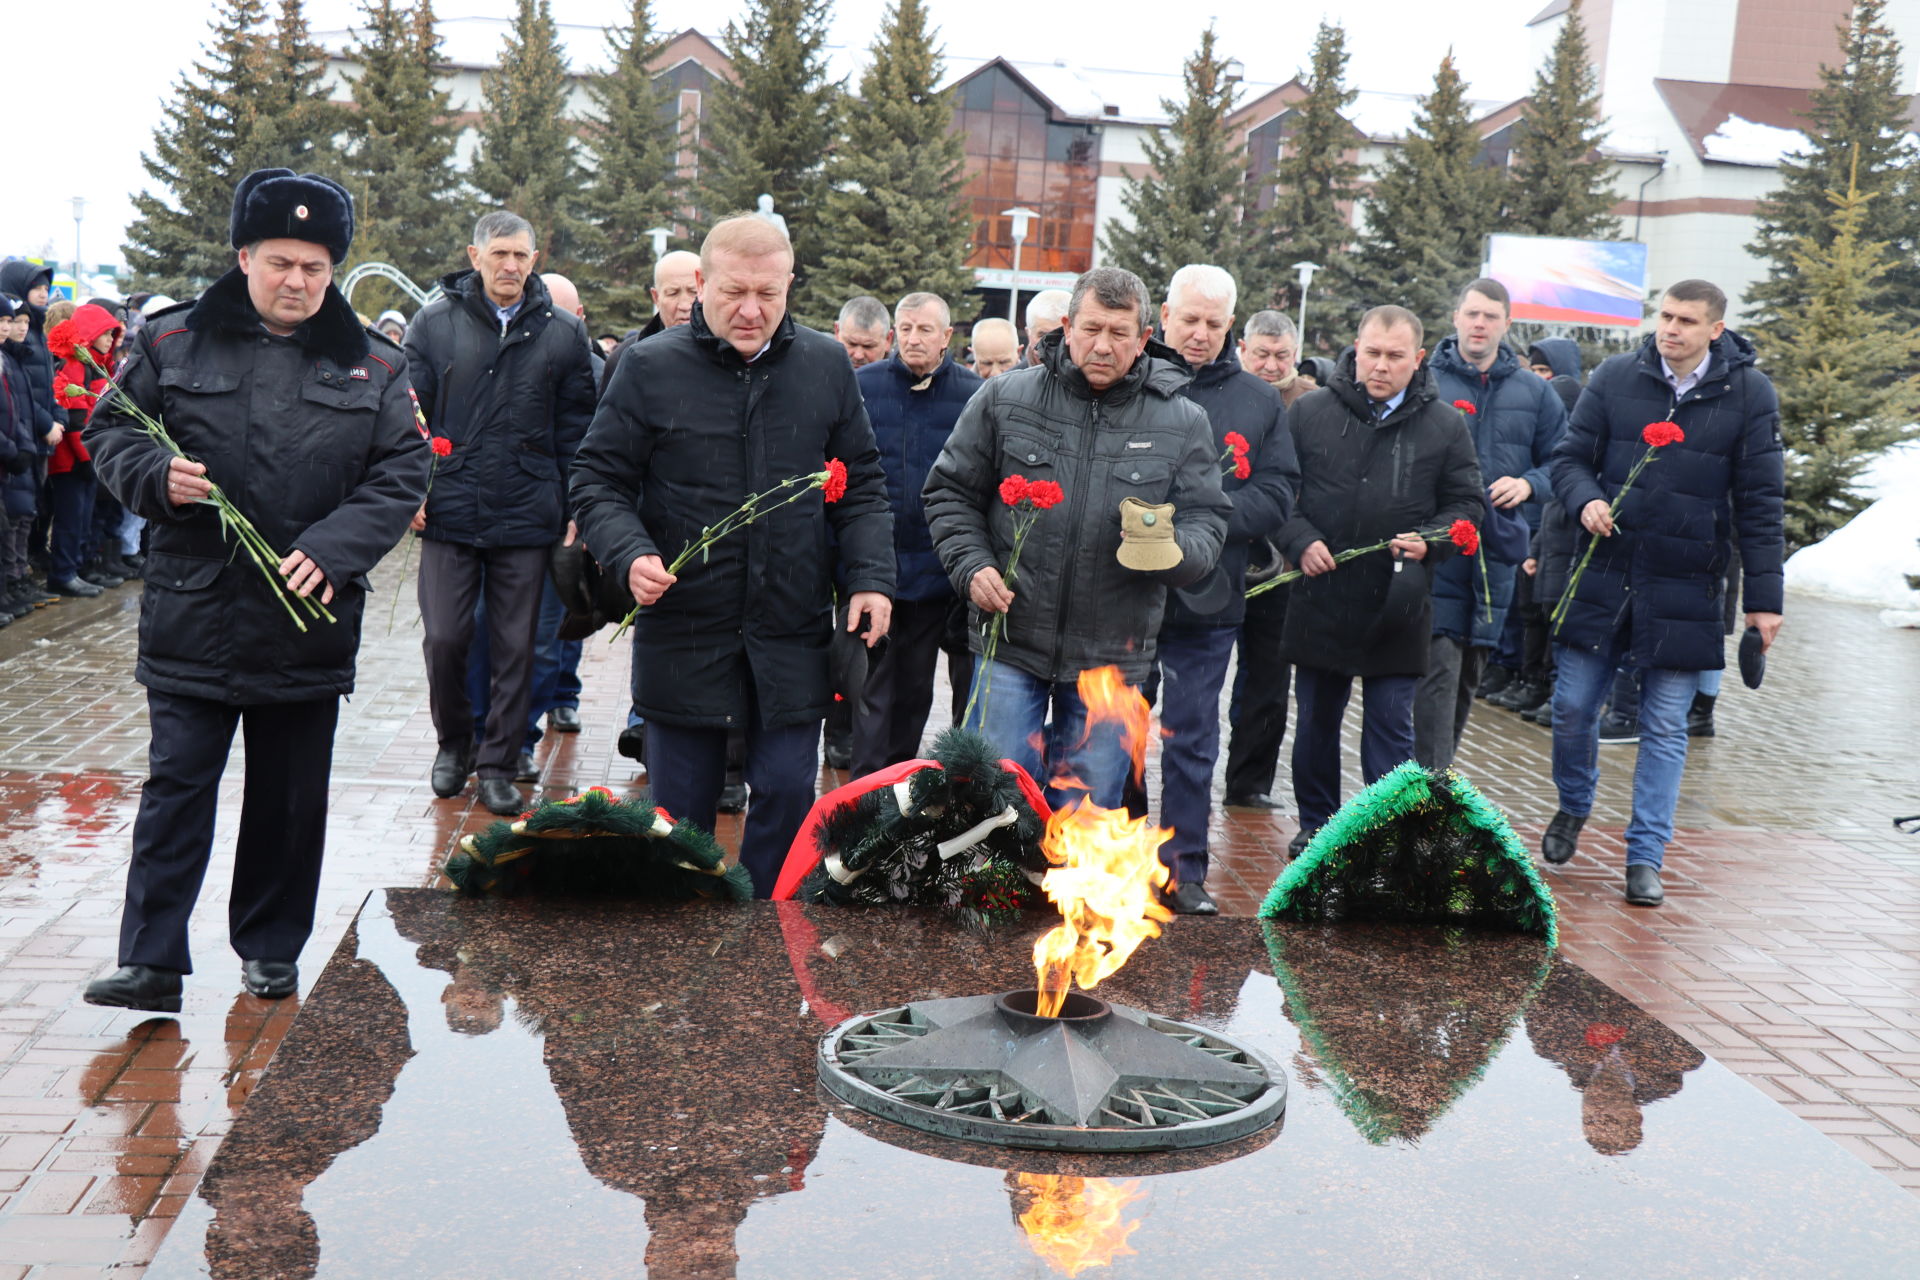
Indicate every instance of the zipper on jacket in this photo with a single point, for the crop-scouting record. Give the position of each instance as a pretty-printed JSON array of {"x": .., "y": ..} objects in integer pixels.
[{"x": 1074, "y": 510}]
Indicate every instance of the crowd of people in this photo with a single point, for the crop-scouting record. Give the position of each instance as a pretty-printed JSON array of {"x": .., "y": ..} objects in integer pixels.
[{"x": 1190, "y": 456}]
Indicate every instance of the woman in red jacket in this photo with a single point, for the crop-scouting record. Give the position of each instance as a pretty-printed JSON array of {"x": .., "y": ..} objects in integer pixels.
[{"x": 77, "y": 386}]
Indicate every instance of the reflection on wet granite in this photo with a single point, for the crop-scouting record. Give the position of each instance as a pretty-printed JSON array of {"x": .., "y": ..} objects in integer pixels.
[{"x": 505, "y": 1088}]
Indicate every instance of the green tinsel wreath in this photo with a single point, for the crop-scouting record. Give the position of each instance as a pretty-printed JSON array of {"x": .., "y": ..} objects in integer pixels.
[
  {"x": 1419, "y": 846},
  {"x": 593, "y": 845}
]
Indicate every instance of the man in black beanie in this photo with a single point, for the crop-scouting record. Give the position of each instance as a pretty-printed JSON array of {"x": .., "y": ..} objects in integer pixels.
[{"x": 305, "y": 420}]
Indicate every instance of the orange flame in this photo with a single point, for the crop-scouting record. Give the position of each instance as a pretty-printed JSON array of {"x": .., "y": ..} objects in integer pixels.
[
  {"x": 1106, "y": 866},
  {"x": 1074, "y": 1223}
]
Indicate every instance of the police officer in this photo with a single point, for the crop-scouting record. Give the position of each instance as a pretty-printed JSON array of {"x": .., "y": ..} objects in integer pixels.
[{"x": 305, "y": 420}]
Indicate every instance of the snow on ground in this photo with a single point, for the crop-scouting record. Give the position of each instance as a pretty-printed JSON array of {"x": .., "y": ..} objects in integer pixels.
[
  {"x": 1739, "y": 141},
  {"x": 1867, "y": 559}
]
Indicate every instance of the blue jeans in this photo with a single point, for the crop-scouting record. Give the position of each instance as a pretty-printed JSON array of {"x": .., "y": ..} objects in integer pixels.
[
  {"x": 1013, "y": 716},
  {"x": 1193, "y": 667},
  {"x": 1664, "y": 698},
  {"x": 556, "y": 666}
]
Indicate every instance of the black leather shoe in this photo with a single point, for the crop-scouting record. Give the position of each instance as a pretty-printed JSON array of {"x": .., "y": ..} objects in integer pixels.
[
  {"x": 1541, "y": 715},
  {"x": 1496, "y": 679},
  {"x": 1643, "y": 885},
  {"x": 1617, "y": 730},
  {"x": 1521, "y": 695},
  {"x": 563, "y": 720},
  {"x": 270, "y": 979},
  {"x": 450, "y": 770},
  {"x": 500, "y": 796},
  {"x": 1190, "y": 900},
  {"x": 137, "y": 986},
  {"x": 733, "y": 797},
  {"x": 528, "y": 771},
  {"x": 1562, "y": 839},
  {"x": 99, "y": 577},
  {"x": 1302, "y": 838},
  {"x": 633, "y": 742},
  {"x": 79, "y": 587},
  {"x": 1252, "y": 802}
]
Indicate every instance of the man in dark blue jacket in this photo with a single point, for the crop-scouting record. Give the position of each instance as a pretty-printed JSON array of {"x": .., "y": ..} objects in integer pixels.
[
  {"x": 1653, "y": 594},
  {"x": 913, "y": 398},
  {"x": 1516, "y": 420},
  {"x": 1259, "y": 472},
  {"x": 504, "y": 375}
]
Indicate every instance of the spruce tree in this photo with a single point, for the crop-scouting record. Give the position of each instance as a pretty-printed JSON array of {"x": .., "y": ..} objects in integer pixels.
[
  {"x": 633, "y": 144},
  {"x": 1430, "y": 208},
  {"x": 895, "y": 216},
  {"x": 1561, "y": 185},
  {"x": 1187, "y": 206},
  {"x": 526, "y": 161},
  {"x": 1315, "y": 178},
  {"x": 771, "y": 129},
  {"x": 253, "y": 100},
  {"x": 1856, "y": 125},
  {"x": 399, "y": 161},
  {"x": 1842, "y": 366}
]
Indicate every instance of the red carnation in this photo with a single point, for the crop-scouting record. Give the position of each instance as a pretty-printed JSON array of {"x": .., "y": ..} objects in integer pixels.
[
  {"x": 1660, "y": 434},
  {"x": 1044, "y": 493},
  {"x": 1464, "y": 536},
  {"x": 836, "y": 486},
  {"x": 1602, "y": 1034},
  {"x": 1241, "y": 467},
  {"x": 1013, "y": 490},
  {"x": 60, "y": 340},
  {"x": 1465, "y": 406},
  {"x": 441, "y": 446},
  {"x": 1237, "y": 443}
]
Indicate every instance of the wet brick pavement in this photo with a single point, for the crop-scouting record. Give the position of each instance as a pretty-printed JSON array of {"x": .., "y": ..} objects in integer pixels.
[{"x": 1789, "y": 947}]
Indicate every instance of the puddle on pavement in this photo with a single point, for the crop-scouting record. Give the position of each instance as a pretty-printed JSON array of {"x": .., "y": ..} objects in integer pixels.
[{"x": 514, "y": 1089}]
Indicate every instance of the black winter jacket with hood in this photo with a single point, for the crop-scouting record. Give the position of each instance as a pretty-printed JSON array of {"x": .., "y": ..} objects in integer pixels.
[
  {"x": 1236, "y": 401},
  {"x": 514, "y": 405},
  {"x": 1661, "y": 576},
  {"x": 19, "y": 277},
  {"x": 1075, "y": 605},
  {"x": 1362, "y": 481},
  {"x": 312, "y": 436},
  {"x": 686, "y": 432}
]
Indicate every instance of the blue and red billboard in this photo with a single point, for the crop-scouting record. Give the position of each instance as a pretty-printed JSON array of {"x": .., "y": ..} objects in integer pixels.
[{"x": 1583, "y": 282}]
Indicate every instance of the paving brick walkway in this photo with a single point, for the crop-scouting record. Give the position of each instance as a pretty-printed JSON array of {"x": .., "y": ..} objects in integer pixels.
[{"x": 1789, "y": 947}]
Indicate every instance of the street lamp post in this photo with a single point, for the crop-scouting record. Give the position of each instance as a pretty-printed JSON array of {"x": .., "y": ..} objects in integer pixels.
[
  {"x": 1023, "y": 217},
  {"x": 1305, "y": 271},
  {"x": 79, "y": 212},
  {"x": 659, "y": 235}
]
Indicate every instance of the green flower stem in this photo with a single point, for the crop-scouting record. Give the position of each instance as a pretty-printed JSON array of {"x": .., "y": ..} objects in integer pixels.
[
  {"x": 1351, "y": 553},
  {"x": 1560, "y": 609},
  {"x": 739, "y": 518},
  {"x": 983, "y": 687}
]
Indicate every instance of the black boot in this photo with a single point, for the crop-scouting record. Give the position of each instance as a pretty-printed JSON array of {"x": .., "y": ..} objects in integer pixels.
[
  {"x": 1643, "y": 885},
  {"x": 1700, "y": 716},
  {"x": 137, "y": 986},
  {"x": 1496, "y": 679},
  {"x": 1562, "y": 839}
]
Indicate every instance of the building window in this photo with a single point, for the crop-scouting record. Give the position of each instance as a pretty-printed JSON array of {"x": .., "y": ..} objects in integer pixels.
[{"x": 1017, "y": 155}]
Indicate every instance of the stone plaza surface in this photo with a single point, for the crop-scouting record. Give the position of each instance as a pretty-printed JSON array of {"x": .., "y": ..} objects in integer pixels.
[
  {"x": 505, "y": 1089},
  {"x": 1789, "y": 949}
]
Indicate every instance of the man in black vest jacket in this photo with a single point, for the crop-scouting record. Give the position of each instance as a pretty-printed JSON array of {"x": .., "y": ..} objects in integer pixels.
[
  {"x": 303, "y": 419},
  {"x": 1654, "y": 594},
  {"x": 697, "y": 419},
  {"x": 504, "y": 376},
  {"x": 1381, "y": 456}
]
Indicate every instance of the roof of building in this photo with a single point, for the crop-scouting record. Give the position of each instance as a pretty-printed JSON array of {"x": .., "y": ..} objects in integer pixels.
[
  {"x": 1750, "y": 124},
  {"x": 1553, "y": 10}
]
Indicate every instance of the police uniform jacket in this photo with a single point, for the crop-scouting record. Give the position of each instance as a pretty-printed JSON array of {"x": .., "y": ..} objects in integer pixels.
[{"x": 312, "y": 436}]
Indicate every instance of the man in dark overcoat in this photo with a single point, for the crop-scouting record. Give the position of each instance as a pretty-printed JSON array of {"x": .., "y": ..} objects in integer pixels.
[
  {"x": 1381, "y": 456},
  {"x": 1654, "y": 594},
  {"x": 697, "y": 419},
  {"x": 303, "y": 417}
]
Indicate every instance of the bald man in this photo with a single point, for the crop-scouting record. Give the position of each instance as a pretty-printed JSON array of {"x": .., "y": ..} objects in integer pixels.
[
  {"x": 996, "y": 348},
  {"x": 1046, "y": 311},
  {"x": 674, "y": 291}
]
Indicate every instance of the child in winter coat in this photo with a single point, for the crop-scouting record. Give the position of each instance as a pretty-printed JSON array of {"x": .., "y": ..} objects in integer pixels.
[
  {"x": 77, "y": 386},
  {"x": 20, "y": 451}
]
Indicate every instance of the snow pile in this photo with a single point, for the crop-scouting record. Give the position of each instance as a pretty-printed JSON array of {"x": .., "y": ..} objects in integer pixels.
[
  {"x": 1739, "y": 141},
  {"x": 1867, "y": 560}
]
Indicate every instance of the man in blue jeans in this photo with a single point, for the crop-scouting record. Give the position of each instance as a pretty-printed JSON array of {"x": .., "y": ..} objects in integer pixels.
[
  {"x": 1141, "y": 510},
  {"x": 1652, "y": 596}
]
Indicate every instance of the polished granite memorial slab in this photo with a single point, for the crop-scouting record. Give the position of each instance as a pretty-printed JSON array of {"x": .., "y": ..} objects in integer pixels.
[{"x": 529, "y": 1089}]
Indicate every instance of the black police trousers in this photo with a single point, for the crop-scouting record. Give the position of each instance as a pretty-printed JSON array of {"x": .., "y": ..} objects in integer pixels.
[{"x": 282, "y": 835}]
